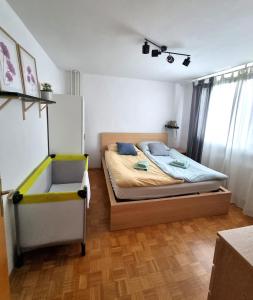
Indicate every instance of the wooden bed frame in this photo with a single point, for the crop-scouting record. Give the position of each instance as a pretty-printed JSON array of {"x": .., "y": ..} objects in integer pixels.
[{"x": 136, "y": 213}]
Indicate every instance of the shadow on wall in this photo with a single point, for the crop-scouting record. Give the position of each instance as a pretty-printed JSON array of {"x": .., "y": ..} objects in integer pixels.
[{"x": 10, "y": 234}]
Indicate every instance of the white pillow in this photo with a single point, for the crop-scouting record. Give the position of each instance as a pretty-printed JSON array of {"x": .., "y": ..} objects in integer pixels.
[{"x": 159, "y": 149}]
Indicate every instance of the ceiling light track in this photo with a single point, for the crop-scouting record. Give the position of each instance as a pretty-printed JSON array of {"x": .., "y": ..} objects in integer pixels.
[{"x": 164, "y": 49}]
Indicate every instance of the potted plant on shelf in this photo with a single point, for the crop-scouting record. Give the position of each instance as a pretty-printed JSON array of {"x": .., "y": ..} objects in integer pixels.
[{"x": 46, "y": 91}]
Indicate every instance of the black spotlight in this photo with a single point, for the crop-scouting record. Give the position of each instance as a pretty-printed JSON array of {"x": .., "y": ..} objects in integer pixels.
[
  {"x": 170, "y": 59},
  {"x": 163, "y": 48},
  {"x": 145, "y": 48},
  {"x": 187, "y": 61},
  {"x": 155, "y": 53}
]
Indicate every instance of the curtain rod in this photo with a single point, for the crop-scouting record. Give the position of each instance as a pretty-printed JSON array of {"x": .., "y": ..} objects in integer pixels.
[{"x": 223, "y": 72}]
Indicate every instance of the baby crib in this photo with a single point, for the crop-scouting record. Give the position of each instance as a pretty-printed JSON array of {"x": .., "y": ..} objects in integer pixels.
[{"x": 50, "y": 205}]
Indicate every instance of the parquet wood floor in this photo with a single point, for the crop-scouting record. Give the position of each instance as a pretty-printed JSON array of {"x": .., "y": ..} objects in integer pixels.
[{"x": 167, "y": 261}]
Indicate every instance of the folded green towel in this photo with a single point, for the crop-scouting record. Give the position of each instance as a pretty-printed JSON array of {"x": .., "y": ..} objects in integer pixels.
[
  {"x": 141, "y": 165},
  {"x": 179, "y": 164}
]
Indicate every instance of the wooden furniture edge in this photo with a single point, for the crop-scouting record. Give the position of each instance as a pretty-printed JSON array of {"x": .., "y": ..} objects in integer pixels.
[
  {"x": 108, "y": 184},
  {"x": 232, "y": 260},
  {"x": 238, "y": 246}
]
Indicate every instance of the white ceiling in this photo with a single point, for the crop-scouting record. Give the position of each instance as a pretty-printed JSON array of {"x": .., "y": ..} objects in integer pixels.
[{"x": 106, "y": 36}]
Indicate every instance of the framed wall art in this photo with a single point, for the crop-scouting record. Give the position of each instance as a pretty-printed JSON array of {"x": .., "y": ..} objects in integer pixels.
[
  {"x": 29, "y": 72},
  {"x": 10, "y": 71}
]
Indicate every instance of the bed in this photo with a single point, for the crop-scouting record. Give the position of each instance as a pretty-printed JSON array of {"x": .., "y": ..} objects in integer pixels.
[{"x": 136, "y": 206}]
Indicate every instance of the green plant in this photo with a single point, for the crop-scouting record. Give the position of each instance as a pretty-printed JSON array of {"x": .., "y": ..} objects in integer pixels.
[{"x": 46, "y": 87}]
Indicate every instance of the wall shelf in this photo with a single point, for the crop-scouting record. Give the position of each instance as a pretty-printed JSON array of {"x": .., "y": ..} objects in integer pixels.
[
  {"x": 24, "y": 97},
  {"x": 171, "y": 127},
  {"x": 8, "y": 96}
]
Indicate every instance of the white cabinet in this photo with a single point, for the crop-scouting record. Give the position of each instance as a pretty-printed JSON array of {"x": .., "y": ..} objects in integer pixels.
[{"x": 66, "y": 125}]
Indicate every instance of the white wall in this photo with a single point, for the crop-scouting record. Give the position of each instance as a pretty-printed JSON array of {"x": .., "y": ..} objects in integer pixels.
[
  {"x": 23, "y": 144},
  {"x": 123, "y": 105}
]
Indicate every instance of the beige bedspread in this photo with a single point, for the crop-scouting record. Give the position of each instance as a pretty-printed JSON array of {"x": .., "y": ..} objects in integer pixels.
[{"x": 122, "y": 170}]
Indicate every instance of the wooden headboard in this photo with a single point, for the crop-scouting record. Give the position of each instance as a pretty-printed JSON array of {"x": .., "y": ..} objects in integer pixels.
[{"x": 107, "y": 138}]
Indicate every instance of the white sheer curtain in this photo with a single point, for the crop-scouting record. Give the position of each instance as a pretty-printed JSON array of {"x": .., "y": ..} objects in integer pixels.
[{"x": 228, "y": 142}]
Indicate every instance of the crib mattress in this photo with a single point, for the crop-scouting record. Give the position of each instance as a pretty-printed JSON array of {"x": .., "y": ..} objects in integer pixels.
[{"x": 65, "y": 187}]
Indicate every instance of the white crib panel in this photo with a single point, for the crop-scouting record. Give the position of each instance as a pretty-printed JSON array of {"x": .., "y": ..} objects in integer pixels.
[{"x": 50, "y": 223}]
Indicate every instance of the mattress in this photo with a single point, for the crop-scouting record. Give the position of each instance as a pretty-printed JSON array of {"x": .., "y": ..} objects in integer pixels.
[{"x": 154, "y": 192}]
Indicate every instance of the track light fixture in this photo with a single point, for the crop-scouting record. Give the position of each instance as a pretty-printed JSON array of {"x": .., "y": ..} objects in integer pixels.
[
  {"x": 145, "y": 48},
  {"x": 170, "y": 59},
  {"x": 187, "y": 61},
  {"x": 163, "y": 49},
  {"x": 155, "y": 53}
]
